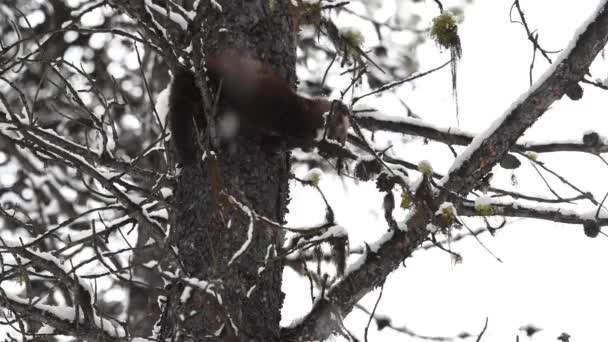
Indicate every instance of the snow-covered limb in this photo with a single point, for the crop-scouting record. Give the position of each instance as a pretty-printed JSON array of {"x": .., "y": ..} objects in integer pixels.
[
  {"x": 81, "y": 291},
  {"x": 176, "y": 14},
  {"x": 61, "y": 318},
  {"x": 570, "y": 67},
  {"x": 455, "y": 136},
  {"x": 55, "y": 147},
  {"x": 7, "y": 128},
  {"x": 523, "y": 210},
  {"x": 470, "y": 167}
]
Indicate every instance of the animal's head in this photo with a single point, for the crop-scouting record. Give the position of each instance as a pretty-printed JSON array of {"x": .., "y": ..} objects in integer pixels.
[{"x": 337, "y": 121}]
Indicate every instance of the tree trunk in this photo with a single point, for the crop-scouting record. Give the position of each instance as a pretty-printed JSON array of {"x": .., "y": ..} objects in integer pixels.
[{"x": 244, "y": 302}]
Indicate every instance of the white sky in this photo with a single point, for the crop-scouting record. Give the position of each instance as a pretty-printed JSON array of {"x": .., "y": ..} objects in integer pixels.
[{"x": 552, "y": 275}]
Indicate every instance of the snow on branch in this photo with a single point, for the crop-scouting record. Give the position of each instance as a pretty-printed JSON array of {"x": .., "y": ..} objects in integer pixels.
[
  {"x": 455, "y": 136},
  {"x": 486, "y": 150},
  {"x": 80, "y": 290},
  {"x": 523, "y": 210},
  {"x": 62, "y": 318},
  {"x": 489, "y": 147},
  {"x": 58, "y": 147}
]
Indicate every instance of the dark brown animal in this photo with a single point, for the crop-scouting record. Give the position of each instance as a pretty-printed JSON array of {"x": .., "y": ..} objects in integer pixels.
[{"x": 262, "y": 103}]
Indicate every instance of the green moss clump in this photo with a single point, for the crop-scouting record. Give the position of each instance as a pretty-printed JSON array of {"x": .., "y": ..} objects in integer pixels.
[
  {"x": 444, "y": 31},
  {"x": 353, "y": 37},
  {"x": 447, "y": 217},
  {"x": 484, "y": 209},
  {"x": 354, "y": 40},
  {"x": 406, "y": 199},
  {"x": 425, "y": 168}
]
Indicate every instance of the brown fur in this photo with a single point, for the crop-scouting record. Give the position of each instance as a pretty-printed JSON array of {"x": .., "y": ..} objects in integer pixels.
[{"x": 262, "y": 101}]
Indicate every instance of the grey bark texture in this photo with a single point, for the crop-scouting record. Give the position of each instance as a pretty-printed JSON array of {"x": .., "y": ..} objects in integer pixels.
[
  {"x": 246, "y": 303},
  {"x": 245, "y": 299}
]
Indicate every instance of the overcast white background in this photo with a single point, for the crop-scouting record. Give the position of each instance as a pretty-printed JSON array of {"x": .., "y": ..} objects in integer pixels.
[{"x": 552, "y": 275}]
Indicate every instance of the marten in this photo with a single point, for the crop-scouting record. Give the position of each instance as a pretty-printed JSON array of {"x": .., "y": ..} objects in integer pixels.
[{"x": 262, "y": 103}]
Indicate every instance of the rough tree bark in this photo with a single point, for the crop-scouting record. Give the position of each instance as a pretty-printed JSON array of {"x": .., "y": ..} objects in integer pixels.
[
  {"x": 245, "y": 303},
  {"x": 243, "y": 300}
]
